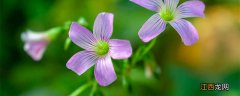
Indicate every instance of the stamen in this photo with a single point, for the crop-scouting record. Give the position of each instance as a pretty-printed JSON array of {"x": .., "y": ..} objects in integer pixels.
[
  {"x": 102, "y": 48},
  {"x": 167, "y": 14}
]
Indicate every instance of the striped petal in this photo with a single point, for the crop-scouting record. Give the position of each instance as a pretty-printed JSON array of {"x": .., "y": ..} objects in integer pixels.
[
  {"x": 35, "y": 43},
  {"x": 152, "y": 28},
  {"x": 186, "y": 30},
  {"x": 104, "y": 71},
  {"x": 153, "y": 5},
  {"x": 103, "y": 26},
  {"x": 81, "y": 61},
  {"x": 81, "y": 36},
  {"x": 35, "y": 49},
  {"x": 120, "y": 49},
  {"x": 172, "y": 4},
  {"x": 191, "y": 9}
]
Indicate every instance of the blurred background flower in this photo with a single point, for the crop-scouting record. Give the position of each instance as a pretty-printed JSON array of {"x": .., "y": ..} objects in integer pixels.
[
  {"x": 36, "y": 42},
  {"x": 177, "y": 70}
]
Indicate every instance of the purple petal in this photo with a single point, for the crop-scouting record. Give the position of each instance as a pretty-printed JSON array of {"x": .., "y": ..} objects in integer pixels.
[
  {"x": 153, "y": 5},
  {"x": 120, "y": 49},
  {"x": 172, "y": 4},
  {"x": 81, "y": 36},
  {"x": 152, "y": 28},
  {"x": 103, "y": 26},
  {"x": 186, "y": 30},
  {"x": 191, "y": 9},
  {"x": 82, "y": 61},
  {"x": 35, "y": 49},
  {"x": 104, "y": 71}
]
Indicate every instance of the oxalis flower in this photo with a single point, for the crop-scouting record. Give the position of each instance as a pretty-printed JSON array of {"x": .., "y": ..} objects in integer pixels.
[
  {"x": 168, "y": 12},
  {"x": 99, "y": 49},
  {"x": 36, "y": 42}
]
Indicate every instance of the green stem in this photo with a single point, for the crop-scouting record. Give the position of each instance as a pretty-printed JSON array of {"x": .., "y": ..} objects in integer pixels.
[
  {"x": 142, "y": 51},
  {"x": 124, "y": 72},
  {"x": 125, "y": 75},
  {"x": 125, "y": 64},
  {"x": 94, "y": 88},
  {"x": 149, "y": 47},
  {"x": 54, "y": 32},
  {"x": 135, "y": 57},
  {"x": 81, "y": 89}
]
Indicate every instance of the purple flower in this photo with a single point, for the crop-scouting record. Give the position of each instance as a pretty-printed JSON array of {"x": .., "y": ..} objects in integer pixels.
[
  {"x": 99, "y": 49},
  {"x": 168, "y": 12},
  {"x": 35, "y": 44}
]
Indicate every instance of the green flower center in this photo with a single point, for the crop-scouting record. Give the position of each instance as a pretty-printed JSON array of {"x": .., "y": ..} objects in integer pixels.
[
  {"x": 102, "y": 48},
  {"x": 167, "y": 15}
]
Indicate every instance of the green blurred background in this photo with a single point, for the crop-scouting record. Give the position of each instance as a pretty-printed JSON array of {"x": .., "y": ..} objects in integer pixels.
[{"x": 215, "y": 58}]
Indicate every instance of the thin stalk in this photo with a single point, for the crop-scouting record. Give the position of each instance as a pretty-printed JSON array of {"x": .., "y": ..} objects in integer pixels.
[
  {"x": 81, "y": 89},
  {"x": 147, "y": 49},
  {"x": 142, "y": 51},
  {"x": 94, "y": 88}
]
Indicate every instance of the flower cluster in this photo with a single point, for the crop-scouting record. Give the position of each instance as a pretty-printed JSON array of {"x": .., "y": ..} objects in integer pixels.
[{"x": 99, "y": 49}]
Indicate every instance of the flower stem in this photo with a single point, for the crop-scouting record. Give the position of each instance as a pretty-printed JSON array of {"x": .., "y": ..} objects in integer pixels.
[
  {"x": 94, "y": 88},
  {"x": 136, "y": 56},
  {"x": 142, "y": 51},
  {"x": 147, "y": 49},
  {"x": 81, "y": 89},
  {"x": 54, "y": 32}
]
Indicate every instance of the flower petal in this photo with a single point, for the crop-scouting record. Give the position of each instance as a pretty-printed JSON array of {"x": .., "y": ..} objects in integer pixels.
[
  {"x": 191, "y": 9},
  {"x": 103, "y": 26},
  {"x": 172, "y": 4},
  {"x": 186, "y": 30},
  {"x": 81, "y": 61},
  {"x": 104, "y": 71},
  {"x": 81, "y": 36},
  {"x": 120, "y": 49},
  {"x": 35, "y": 49},
  {"x": 152, "y": 28},
  {"x": 34, "y": 36},
  {"x": 153, "y": 5}
]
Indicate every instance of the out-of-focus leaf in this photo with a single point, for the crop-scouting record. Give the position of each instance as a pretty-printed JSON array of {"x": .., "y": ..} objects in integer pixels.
[
  {"x": 67, "y": 43},
  {"x": 82, "y": 21}
]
